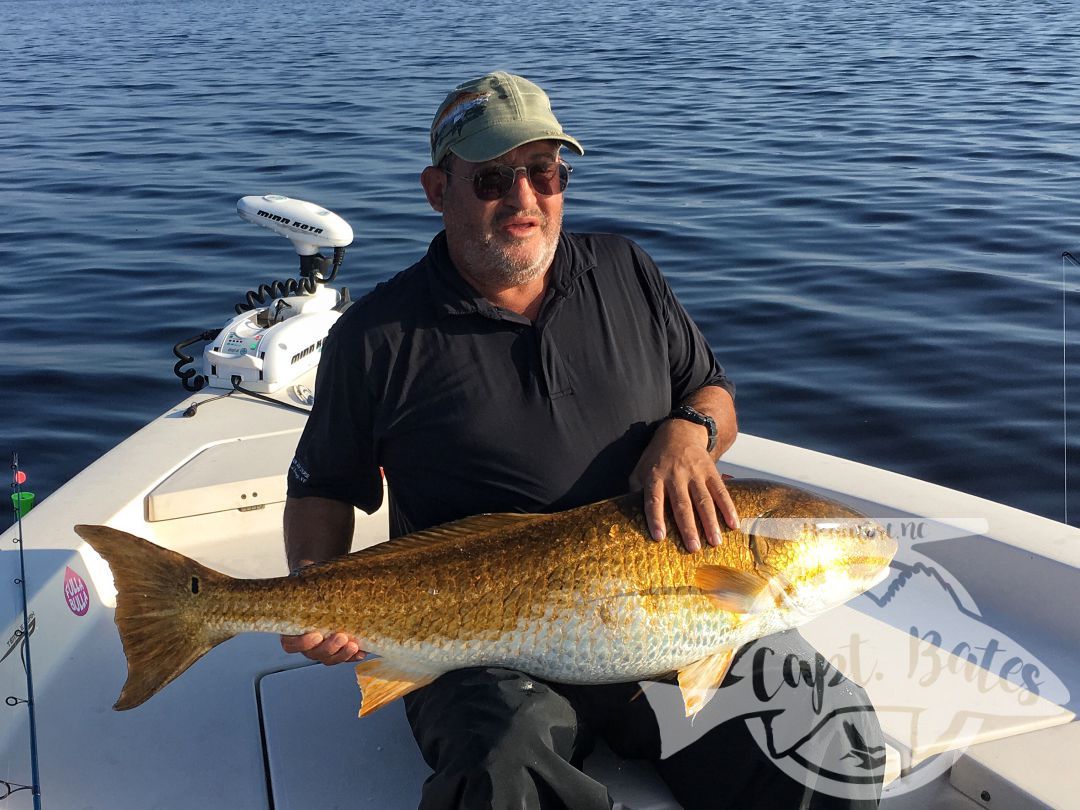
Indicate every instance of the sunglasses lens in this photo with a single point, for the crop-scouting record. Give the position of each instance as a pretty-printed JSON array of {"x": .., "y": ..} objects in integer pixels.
[
  {"x": 548, "y": 178},
  {"x": 495, "y": 182}
]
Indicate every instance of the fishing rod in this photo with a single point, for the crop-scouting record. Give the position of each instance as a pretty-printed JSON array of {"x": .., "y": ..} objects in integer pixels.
[
  {"x": 18, "y": 478},
  {"x": 1065, "y": 257}
]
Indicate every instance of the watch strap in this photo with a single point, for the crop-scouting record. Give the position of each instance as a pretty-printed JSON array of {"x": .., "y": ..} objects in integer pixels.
[{"x": 698, "y": 418}]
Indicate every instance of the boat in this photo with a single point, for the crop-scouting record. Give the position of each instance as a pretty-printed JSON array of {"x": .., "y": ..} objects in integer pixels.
[{"x": 970, "y": 649}]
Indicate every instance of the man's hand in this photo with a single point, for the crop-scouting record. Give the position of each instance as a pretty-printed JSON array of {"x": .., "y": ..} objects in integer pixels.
[
  {"x": 337, "y": 648},
  {"x": 676, "y": 469}
]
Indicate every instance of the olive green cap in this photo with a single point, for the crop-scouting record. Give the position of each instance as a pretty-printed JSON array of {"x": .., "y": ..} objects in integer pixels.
[{"x": 487, "y": 117}]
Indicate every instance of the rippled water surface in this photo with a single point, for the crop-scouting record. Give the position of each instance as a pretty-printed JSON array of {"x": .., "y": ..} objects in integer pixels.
[{"x": 863, "y": 204}]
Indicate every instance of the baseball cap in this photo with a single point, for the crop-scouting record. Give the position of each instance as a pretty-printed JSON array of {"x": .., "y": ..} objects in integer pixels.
[{"x": 487, "y": 117}]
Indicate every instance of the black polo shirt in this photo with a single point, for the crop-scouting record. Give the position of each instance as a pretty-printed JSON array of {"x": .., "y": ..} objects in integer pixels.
[{"x": 470, "y": 408}]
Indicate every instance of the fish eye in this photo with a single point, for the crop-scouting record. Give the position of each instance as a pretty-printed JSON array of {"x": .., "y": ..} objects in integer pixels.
[{"x": 869, "y": 532}]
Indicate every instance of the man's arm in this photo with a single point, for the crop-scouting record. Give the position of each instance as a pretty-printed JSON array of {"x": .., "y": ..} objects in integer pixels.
[
  {"x": 677, "y": 469},
  {"x": 318, "y": 529}
]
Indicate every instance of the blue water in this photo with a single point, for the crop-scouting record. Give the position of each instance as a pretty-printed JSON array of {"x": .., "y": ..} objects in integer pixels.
[{"x": 863, "y": 204}]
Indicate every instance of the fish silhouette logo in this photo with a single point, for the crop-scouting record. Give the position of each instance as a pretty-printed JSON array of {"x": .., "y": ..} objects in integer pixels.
[{"x": 868, "y": 758}]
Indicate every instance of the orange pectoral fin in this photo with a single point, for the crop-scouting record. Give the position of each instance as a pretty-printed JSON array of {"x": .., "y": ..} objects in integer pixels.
[
  {"x": 731, "y": 589},
  {"x": 699, "y": 681},
  {"x": 382, "y": 682}
]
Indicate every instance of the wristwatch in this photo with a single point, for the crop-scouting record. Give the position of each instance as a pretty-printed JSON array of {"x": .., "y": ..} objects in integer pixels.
[{"x": 698, "y": 418}]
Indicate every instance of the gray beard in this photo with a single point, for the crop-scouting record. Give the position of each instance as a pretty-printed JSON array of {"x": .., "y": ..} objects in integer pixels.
[{"x": 490, "y": 265}]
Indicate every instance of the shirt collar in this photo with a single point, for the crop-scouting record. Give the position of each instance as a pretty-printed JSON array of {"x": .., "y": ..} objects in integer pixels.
[{"x": 452, "y": 295}]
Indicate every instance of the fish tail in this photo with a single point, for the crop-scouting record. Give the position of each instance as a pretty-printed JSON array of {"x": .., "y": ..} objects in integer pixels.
[{"x": 161, "y": 609}]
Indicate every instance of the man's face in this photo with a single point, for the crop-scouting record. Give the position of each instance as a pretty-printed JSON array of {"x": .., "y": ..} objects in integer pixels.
[{"x": 507, "y": 242}]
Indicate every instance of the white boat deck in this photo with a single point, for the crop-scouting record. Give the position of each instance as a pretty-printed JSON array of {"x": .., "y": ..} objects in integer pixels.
[{"x": 248, "y": 727}]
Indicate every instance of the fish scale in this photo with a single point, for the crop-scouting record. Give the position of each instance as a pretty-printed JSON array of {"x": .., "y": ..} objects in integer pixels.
[{"x": 582, "y": 596}]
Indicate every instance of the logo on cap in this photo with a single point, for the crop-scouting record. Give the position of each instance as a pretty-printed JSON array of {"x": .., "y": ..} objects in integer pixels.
[{"x": 458, "y": 112}]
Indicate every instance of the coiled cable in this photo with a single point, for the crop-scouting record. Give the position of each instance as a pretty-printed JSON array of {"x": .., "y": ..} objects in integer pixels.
[
  {"x": 189, "y": 377},
  {"x": 313, "y": 272},
  {"x": 276, "y": 289}
]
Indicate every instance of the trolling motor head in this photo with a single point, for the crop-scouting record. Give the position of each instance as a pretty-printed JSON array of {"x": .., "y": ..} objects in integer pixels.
[{"x": 307, "y": 225}]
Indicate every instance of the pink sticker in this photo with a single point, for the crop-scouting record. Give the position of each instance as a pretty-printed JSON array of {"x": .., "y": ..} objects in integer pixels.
[{"x": 76, "y": 593}]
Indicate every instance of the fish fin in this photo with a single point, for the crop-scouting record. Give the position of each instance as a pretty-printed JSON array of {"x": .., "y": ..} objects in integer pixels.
[
  {"x": 466, "y": 530},
  {"x": 159, "y": 609},
  {"x": 382, "y": 682},
  {"x": 698, "y": 681},
  {"x": 730, "y": 588}
]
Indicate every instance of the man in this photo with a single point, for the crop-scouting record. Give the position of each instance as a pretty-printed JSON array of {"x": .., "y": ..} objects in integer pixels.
[{"x": 514, "y": 368}]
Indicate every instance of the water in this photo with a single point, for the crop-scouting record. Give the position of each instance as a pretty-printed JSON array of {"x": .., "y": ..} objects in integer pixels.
[{"x": 863, "y": 204}]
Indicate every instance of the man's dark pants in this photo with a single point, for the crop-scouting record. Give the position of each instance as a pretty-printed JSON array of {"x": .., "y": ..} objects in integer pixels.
[{"x": 501, "y": 739}]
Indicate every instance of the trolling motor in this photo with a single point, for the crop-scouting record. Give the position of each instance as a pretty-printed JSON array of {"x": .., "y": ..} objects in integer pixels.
[{"x": 279, "y": 329}]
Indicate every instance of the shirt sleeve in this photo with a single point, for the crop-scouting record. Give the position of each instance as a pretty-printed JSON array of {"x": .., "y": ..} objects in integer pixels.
[
  {"x": 335, "y": 457},
  {"x": 691, "y": 361},
  {"x": 693, "y": 364}
]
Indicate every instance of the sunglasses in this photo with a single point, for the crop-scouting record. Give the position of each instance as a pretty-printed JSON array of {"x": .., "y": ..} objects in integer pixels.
[{"x": 494, "y": 182}]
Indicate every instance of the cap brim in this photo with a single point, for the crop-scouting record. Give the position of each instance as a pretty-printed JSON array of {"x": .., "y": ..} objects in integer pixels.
[{"x": 498, "y": 140}]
